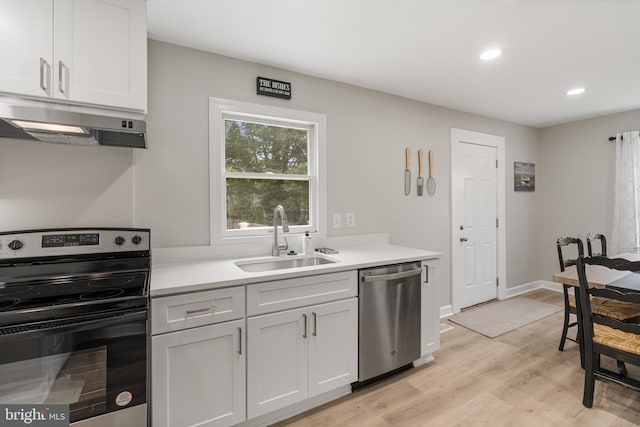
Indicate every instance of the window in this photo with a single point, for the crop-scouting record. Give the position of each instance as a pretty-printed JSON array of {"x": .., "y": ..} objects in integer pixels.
[{"x": 262, "y": 157}]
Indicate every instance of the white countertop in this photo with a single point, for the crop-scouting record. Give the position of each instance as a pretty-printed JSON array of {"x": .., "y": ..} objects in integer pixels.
[{"x": 199, "y": 275}]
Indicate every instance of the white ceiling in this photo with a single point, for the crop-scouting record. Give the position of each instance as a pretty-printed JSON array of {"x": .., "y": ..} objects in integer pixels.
[{"x": 428, "y": 50}]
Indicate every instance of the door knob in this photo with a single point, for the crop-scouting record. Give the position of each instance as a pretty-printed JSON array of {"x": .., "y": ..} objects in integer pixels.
[{"x": 463, "y": 239}]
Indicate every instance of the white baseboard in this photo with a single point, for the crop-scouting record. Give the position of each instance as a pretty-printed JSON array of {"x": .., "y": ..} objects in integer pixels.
[
  {"x": 296, "y": 408},
  {"x": 423, "y": 360},
  {"x": 522, "y": 289},
  {"x": 446, "y": 311},
  {"x": 553, "y": 286}
]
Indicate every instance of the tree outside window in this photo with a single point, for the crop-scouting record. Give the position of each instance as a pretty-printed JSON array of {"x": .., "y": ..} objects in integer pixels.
[{"x": 265, "y": 166}]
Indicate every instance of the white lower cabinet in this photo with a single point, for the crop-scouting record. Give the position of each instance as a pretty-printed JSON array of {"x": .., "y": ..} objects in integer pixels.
[
  {"x": 198, "y": 376},
  {"x": 221, "y": 374},
  {"x": 333, "y": 346},
  {"x": 300, "y": 353},
  {"x": 430, "y": 315}
]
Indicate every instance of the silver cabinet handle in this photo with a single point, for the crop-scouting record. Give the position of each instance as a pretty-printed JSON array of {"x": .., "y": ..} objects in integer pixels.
[
  {"x": 201, "y": 310},
  {"x": 239, "y": 340},
  {"x": 60, "y": 68},
  {"x": 426, "y": 274},
  {"x": 393, "y": 276},
  {"x": 304, "y": 334},
  {"x": 43, "y": 84},
  {"x": 315, "y": 324},
  {"x": 463, "y": 239}
]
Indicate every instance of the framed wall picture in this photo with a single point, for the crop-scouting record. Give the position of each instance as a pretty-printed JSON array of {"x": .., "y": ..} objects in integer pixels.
[{"x": 525, "y": 176}]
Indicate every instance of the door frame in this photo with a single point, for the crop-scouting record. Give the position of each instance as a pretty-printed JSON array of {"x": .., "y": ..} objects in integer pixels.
[{"x": 499, "y": 143}]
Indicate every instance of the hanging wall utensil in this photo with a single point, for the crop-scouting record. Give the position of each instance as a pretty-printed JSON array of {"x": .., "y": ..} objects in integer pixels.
[
  {"x": 431, "y": 182},
  {"x": 407, "y": 172},
  {"x": 420, "y": 184}
]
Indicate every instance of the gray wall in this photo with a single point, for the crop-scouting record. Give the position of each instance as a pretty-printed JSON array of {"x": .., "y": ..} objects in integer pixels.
[
  {"x": 367, "y": 133},
  {"x": 575, "y": 181},
  {"x": 51, "y": 185},
  {"x": 166, "y": 187}
]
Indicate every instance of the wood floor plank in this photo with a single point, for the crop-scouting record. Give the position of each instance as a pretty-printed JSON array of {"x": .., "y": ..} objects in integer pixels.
[{"x": 519, "y": 378}]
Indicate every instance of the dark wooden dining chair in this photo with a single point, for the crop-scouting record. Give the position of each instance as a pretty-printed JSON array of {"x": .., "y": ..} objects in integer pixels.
[
  {"x": 603, "y": 244},
  {"x": 569, "y": 300},
  {"x": 604, "y": 335}
]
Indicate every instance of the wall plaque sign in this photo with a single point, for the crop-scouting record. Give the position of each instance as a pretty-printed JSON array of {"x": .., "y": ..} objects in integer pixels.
[{"x": 271, "y": 87}]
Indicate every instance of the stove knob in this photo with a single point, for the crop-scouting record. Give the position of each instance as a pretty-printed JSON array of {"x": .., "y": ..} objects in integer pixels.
[
  {"x": 15, "y": 245},
  {"x": 119, "y": 240},
  {"x": 136, "y": 239}
]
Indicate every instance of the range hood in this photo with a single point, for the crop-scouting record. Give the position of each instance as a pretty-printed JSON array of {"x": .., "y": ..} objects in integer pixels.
[{"x": 46, "y": 124}]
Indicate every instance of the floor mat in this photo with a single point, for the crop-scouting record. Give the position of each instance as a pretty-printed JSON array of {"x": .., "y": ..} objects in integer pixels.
[{"x": 500, "y": 317}]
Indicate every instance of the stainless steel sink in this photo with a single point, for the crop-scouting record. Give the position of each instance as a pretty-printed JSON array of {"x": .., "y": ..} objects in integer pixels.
[{"x": 283, "y": 263}]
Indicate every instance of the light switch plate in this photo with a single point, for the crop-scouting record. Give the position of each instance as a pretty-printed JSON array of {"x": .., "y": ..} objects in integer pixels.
[
  {"x": 337, "y": 220},
  {"x": 351, "y": 219}
]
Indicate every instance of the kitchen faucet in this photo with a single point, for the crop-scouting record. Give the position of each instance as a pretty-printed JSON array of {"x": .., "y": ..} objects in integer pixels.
[{"x": 275, "y": 250}]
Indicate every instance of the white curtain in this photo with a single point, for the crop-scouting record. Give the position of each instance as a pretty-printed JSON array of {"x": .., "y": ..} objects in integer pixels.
[{"x": 625, "y": 235}]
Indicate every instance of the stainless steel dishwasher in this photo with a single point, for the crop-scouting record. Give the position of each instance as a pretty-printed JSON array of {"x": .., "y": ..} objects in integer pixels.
[{"x": 389, "y": 303}]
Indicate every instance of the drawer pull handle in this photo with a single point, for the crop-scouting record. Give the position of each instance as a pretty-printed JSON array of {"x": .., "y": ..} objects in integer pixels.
[
  {"x": 315, "y": 324},
  {"x": 239, "y": 340},
  {"x": 201, "y": 310},
  {"x": 304, "y": 335}
]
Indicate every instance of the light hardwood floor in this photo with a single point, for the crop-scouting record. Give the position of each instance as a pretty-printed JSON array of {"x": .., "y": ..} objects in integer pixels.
[{"x": 519, "y": 378}]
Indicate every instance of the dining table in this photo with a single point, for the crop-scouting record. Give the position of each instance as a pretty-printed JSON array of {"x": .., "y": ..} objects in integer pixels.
[{"x": 600, "y": 276}]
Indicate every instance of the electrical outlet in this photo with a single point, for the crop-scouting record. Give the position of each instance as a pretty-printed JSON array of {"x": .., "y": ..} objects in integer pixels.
[
  {"x": 351, "y": 219},
  {"x": 337, "y": 220}
]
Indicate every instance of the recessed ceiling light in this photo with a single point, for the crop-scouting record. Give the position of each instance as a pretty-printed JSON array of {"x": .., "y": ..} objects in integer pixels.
[
  {"x": 490, "y": 54},
  {"x": 576, "y": 91}
]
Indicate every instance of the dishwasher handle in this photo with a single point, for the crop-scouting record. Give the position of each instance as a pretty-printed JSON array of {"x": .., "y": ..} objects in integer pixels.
[{"x": 392, "y": 276}]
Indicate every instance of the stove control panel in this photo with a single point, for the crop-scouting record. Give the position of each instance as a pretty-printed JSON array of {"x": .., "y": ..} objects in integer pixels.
[
  {"x": 59, "y": 242},
  {"x": 72, "y": 239}
]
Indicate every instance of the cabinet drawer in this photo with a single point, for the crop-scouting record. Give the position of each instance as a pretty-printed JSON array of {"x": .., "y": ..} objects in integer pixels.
[
  {"x": 291, "y": 293},
  {"x": 196, "y": 309}
]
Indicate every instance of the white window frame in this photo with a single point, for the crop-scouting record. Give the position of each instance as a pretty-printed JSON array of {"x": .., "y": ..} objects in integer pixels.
[{"x": 221, "y": 109}]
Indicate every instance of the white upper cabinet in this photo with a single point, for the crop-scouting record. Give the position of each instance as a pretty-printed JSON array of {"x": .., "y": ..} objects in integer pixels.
[
  {"x": 90, "y": 52},
  {"x": 26, "y": 46}
]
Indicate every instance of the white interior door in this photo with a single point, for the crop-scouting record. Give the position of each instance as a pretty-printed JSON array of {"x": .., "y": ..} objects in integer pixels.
[{"x": 475, "y": 219}]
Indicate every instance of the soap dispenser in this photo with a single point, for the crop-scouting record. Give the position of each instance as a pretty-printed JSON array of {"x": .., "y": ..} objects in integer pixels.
[{"x": 306, "y": 243}]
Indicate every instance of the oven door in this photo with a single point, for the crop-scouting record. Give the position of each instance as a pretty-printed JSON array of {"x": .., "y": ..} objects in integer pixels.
[{"x": 97, "y": 364}]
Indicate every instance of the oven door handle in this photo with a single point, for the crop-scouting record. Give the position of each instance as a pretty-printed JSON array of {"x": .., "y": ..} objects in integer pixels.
[
  {"x": 79, "y": 304},
  {"x": 78, "y": 324}
]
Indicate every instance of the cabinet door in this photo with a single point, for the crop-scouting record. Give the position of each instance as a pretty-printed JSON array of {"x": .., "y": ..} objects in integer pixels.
[
  {"x": 430, "y": 319},
  {"x": 26, "y": 46},
  {"x": 100, "y": 49},
  {"x": 333, "y": 345},
  {"x": 199, "y": 376},
  {"x": 277, "y": 361}
]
